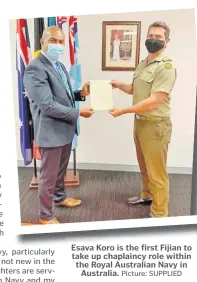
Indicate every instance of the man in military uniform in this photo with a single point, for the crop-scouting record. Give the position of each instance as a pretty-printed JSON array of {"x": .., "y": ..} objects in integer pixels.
[{"x": 151, "y": 88}]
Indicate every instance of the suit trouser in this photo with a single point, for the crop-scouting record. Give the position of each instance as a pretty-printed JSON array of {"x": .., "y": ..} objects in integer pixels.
[
  {"x": 151, "y": 140},
  {"x": 54, "y": 162}
]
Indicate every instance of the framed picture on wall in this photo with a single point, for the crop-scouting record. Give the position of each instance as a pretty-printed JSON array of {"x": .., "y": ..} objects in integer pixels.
[{"x": 121, "y": 45}]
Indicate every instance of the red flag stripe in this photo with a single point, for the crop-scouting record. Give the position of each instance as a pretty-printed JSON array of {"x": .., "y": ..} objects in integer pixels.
[
  {"x": 23, "y": 47},
  {"x": 61, "y": 19},
  {"x": 72, "y": 20}
]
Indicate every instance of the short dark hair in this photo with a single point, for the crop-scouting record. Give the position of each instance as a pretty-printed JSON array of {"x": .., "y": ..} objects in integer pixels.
[{"x": 163, "y": 25}]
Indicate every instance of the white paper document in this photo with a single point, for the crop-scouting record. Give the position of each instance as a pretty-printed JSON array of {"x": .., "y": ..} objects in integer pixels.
[{"x": 101, "y": 95}]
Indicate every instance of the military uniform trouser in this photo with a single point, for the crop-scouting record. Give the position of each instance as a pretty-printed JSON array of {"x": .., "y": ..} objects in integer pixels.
[{"x": 151, "y": 140}]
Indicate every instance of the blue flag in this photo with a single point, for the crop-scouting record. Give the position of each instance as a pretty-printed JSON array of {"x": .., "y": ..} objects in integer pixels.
[
  {"x": 51, "y": 21},
  {"x": 75, "y": 70},
  {"x": 22, "y": 59},
  {"x": 71, "y": 61}
]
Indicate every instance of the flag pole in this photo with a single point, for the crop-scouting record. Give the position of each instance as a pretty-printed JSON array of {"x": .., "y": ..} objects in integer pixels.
[
  {"x": 32, "y": 137},
  {"x": 34, "y": 182},
  {"x": 35, "y": 169},
  {"x": 74, "y": 161}
]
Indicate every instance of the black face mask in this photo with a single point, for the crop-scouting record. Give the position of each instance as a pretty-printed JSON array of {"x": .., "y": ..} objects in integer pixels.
[{"x": 154, "y": 45}]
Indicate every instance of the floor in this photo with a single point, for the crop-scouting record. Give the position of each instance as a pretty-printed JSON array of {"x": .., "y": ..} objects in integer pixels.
[{"x": 104, "y": 195}]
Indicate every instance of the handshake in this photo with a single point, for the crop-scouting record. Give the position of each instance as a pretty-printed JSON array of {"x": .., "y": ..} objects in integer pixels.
[{"x": 88, "y": 112}]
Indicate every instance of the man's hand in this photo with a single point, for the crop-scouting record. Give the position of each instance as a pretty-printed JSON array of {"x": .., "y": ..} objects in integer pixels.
[
  {"x": 115, "y": 83},
  {"x": 86, "y": 113},
  {"x": 127, "y": 88},
  {"x": 116, "y": 112},
  {"x": 86, "y": 89}
]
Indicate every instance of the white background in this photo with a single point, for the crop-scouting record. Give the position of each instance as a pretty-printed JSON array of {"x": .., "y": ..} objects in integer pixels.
[
  {"x": 8, "y": 149},
  {"x": 102, "y": 135}
]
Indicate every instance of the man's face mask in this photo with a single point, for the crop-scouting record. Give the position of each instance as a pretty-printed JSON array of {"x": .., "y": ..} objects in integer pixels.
[
  {"x": 154, "y": 45},
  {"x": 55, "y": 51}
]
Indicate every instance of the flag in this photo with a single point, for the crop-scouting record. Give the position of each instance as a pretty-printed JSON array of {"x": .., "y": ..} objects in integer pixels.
[
  {"x": 23, "y": 57},
  {"x": 38, "y": 30},
  {"x": 71, "y": 57},
  {"x": 61, "y": 21},
  {"x": 51, "y": 21},
  {"x": 75, "y": 70},
  {"x": 39, "y": 27}
]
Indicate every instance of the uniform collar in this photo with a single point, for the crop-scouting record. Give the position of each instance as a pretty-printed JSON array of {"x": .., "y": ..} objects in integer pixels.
[{"x": 158, "y": 58}]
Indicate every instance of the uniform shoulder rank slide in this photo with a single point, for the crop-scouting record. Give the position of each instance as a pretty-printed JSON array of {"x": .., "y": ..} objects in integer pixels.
[
  {"x": 168, "y": 65},
  {"x": 166, "y": 58},
  {"x": 167, "y": 61}
]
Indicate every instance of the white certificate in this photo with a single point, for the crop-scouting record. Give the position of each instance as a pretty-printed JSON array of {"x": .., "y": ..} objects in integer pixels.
[{"x": 101, "y": 95}]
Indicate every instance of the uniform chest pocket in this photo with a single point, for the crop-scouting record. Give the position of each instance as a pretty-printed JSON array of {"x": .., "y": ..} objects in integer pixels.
[
  {"x": 147, "y": 76},
  {"x": 136, "y": 74}
]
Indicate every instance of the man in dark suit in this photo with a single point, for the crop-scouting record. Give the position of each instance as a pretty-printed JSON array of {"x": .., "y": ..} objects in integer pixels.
[{"x": 52, "y": 103}]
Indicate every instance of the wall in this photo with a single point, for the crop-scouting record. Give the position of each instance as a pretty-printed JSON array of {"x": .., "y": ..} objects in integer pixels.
[{"x": 105, "y": 140}]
